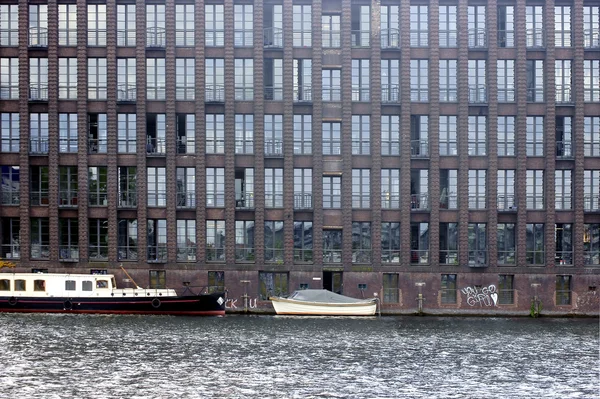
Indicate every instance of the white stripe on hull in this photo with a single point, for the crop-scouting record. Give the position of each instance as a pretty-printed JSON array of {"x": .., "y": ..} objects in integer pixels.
[{"x": 303, "y": 308}]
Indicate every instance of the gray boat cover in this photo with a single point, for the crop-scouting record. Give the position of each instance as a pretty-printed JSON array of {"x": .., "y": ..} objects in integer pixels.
[{"x": 324, "y": 296}]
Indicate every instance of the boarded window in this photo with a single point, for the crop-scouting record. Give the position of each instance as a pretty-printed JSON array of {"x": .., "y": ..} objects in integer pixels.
[{"x": 70, "y": 285}]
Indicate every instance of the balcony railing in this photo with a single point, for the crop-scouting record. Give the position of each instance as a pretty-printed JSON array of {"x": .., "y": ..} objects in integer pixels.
[
  {"x": 506, "y": 257},
  {"x": 390, "y": 200},
  {"x": 244, "y": 93},
  {"x": 68, "y": 252},
  {"x": 535, "y": 94},
  {"x": 303, "y": 201},
  {"x": 157, "y": 253},
  {"x": 331, "y": 39},
  {"x": 419, "y": 148},
  {"x": 245, "y": 201},
  {"x": 126, "y": 38},
  {"x": 535, "y": 38},
  {"x": 97, "y": 146},
  {"x": 9, "y": 197},
  {"x": 591, "y": 257},
  {"x": 563, "y": 258},
  {"x": 591, "y": 202},
  {"x": 273, "y": 200},
  {"x": 591, "y": 38},
  {"x": 186, "y": 199},
  {"x": 419, "y": 256},
  {"x": 477, "y": 38},
  {"x": 332, "y": 93},
  {"x": 127, "y": 252},
  {"x": 38, "y": 93},
  {"x": 390, "y": 94},
  {"x": 361, "y": 256},
  {"x": 215, "y": 200},
  {"x": 390, "y": 256},
  {"x": 273, "y": 37},
  {"x": 361, "y": 94},
  {"x": 215, "y": 38},
  {"x": 506, "y": 95},
  {"x": 303, "y": 94},
  {"x": 564, "y": 150},
  {"x": 156, "y": 147},
  {"x": 214, "y": 94},
  {"x": 448, "y": 38},
  {"x": 390, "y": 38},
  {"x": 274, "y": 148},
  {"x": 67, "y": 199},
  {"x": 186, "y": 253},
  {"x": 535, "y": 202},
  {"x": 128, "y": 200},
  {"x": 506, "y": 203},
  {"x": 478, "y": 94},
  {"x": 126, "y": 92},
  {"x": 419, "y": 95},
  {"x": 448, "y": 201},
  {"x": 98, "y": 252},
  {"x": 38, "y": 37},
  {"x": 332, "y": 255},
  {"x": 506, "y": 38},
  {"x": 303, "y": 255},
  {"x": 419, "y": 38},
  {"x": 419, "y": 202},
  {"x": 449, "y": 94},
  {"x": 478, "y": 258},
  {"x": 273, "y": 93},
  {"x": 40, "y": 251},
  {"x": 244, "y": 254},
  {"x": 9, "y": 37},
  {"x": 39, "y": 197},
  {"x": 448, "y": 257},
  {"x": 38, "y": 146},
  {"x": 563, "y": 94},
  {"x": 360, "y": 38},
  {"x": 10, "y": 251},
  {"x": 98, "y": 198},
  {"x": 9, "y": 92},
  {"x": 157, "y": 199},
  {"x": 155, "y": 37}
]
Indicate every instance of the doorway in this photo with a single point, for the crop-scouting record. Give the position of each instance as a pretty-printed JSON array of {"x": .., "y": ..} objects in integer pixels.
[{"x": 332, "y": 281}]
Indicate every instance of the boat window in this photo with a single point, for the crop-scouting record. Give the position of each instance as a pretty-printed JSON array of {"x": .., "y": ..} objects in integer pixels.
[
  {"x": 101, "y": 283},
  {"x": 4, "y": 285},
  {"x": 70, "y": 285},
  {"x": 86, "y": 285},
  {"x": 20, "y": 285},
  {"x": 39, "y": 285}
]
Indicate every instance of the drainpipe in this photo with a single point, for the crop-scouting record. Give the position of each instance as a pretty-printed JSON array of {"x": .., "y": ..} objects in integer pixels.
[{"x": 420, "y": 298}]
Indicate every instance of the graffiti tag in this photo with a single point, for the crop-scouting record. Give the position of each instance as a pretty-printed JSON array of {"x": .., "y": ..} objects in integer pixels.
[
  {"x": 485, "y": 296},
  {"x": 233, "y": 303}
]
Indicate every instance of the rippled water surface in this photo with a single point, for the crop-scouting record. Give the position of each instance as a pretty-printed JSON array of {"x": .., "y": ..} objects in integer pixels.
[{"x": 79, "y": 356}]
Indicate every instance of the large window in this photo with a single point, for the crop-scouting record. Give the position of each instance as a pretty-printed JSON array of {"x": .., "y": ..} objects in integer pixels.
[
  {"x": 186, "y": 187},
  {"x": 67, "y": 78},
  {"x": 97, "y": 79},
  {"x": 390, "y": 26},
  {"x": 157, "y": 279},
  {"x": 419, "y": 136},
  {"x": 214, "y": 25},
  {"x": 361, "y": 188},
  {"x": 563, "y": 290},
  {"x": 303, "y": 241},
  {"x": 126, "y": 79},
  {"x": 419, "y": 80},
  {"x": 448, "y": 188},
  {"x": 244, "y": 79},
  {"x": 126, "y": 133},
  {"x": 390, "y": 188},
  {"x": 127, "y": 186},
  {"x": 391, "y": 290},
  {"x": 448, "y": 288},
  {"x": 185, "y": 79},
  {"x": 535, "y": 136},
  {"x": 591, "y": 26},
  {"x": 303, "y": 134},
  {"x": 506, "y": 190},
  {"x": 98, "y": 185},
  {"x": 243, "y": 25},
  {"x": 331, "y": 28},
  {"x": 506, "y": 136},
  {"x": 361, "y": 135},
  {"x": 215, "y": 187},
  {"x": 477, "y": 244},
  {"x": 38, "y": 25},
  {"x": 184, "y": 25},
  {"x": 9, "y": 25},
  {"x": 535, "y": 189},
  {"x": 155, "y": 26},
  {"x": 506, "y": 26},
  {"x": 360, "y": 25},
  {"x": 419, "y": 26},
  {"x": 273, "y": 241},
  {"x": 67, "y": 186},
  {"x": 186, "y": 133},
  {"x": 535, "y": 243},
  {"x": 506, "y": 81},
  {"x": 244, "y": 241},
  {"x": 419, "y": 243},
  {"x": 591, "y": 80},
  {"x": 591, "y": 136},
  {"x": 186, "y": 240},
  {"x": 38, "y": 79},
  {"x": 215, "y": 240},
  {"x": 157, "y": 240},
  {"x": 535, "y": 80},
  {"x": 448, "y": 26},
  {"x": 563, "y": 240},
  {"x": 9, "y": 78},
  {"x": 10, "y": 185},
  {"x": 534, "y": 24},
  {"x": 332, "y": 141},
  {"x": 215, "y": 133},
  {"x": 98, "y": 239},
  {"x": 361, "y": 242},
  {"x": 273, "y": 187},
  {"x": 477, "y": 26},
  {"x": 68, "y": 239},
  {"x": 40, "y": 238},
  {"x": 38, "y": 192},
  {"x": 477, "y": 82},
  {"x": 563, "y": 188},
  {"x": 360, "y": 80},
  {"x": 449, "y": 135},
  {"x": 10, "y": 139},
  {"x": 127, "y": 239},
  {"x": 390, "y": 81},
  {"x": 448, "y": 244},
  {"x": 332, "y": 192},
  {"x": 477, "y": 189},
  {"x": 591, "y": 244},
  {"x": 302, "y": 80},
  {"x": 96, "y": 25},
  {"x": 390, "y": 242},
  {"x": 126, "y": 33},
  {"x": 591, "y": 190},
  {"x": 273, "y": 79},
  {"x": 214, "y": 74},
  {"x": 477, "y": 135},
  {"x": 332, "y": 246},
  {"x": 506, "y": 292},
  {"x": 506, "y": 243},
  {"x": 67, "y": 129},
  {"x": 272, "y": 284},
  {"x": 157, "y": 186},
  {"x": 390, "y": 135},
  {"x": 302, "y": 188},
  {"x": 332, "y": 84},
  {"x": 448, "y": 81},
  {"x": 67, "y": 25},
  {"x": 155, "y": 78},
  {"x": 302, "y": 25},
  {"x": 244, "y": 134}
]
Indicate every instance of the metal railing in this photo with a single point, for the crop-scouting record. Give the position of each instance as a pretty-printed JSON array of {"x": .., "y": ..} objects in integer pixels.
[
  {"x": 127, "y": 253},
  {"x": 38, "y": 37},
  {"x": 303, "y": 201},
  {"x": 449, "y": 94},
  {"x": 361, "y": 94},
  {"x": 303, "y": 255},
  {"x": 126, "y": 92},
  {"x": 214, "y": 94},
  {"x": 419, "y": 148},
  {"x": 68, "y": 252},
  {"x": 477, "y": 38},
  {"x": 39, "y": 197},
  {"x": 215, "y": 200},
  {"x": 245, "y": 202},
  {"x": 156, "y": 37},
  {"x": 273, "y": 37},
  {"x": 273, "y": 93},
  {"x": 331, "y": 39},
  {"x": 360, "y": 38},
  {"x": 535, "y": 94},
  {"x": 97, "y": 146},
  {"x": 273, "y": 200},
  {"x": 332, "y": 93},
  {"x": 9, "y": 37},
  {"x": 419, "y": 256},
  {"x": 40, "y": 251},
  {"x": 38, "y": 146},
  {"x": 215, "y": 254},
  {"x": 157, "y": 253},
  {"x": 185, "y": 93},
  {"x": 535, "y": 202},
  {"x": 390, "y": 93},
  {"x": 563, "y": 258},
  {"x": 591, "y": 94},
  {"x": 448, "y": 257},
  {"x": 507, "y": 257},
  {"x": 563, "y": 94},
  {"x": 186, "y": 199},
  {"x": 126, "y": 38},
  {"x": 535, "y": 38},
  {"x": 185, "y": 146},
  {"x": 564, "y": 150},
  {"x": 506, "y": 38},
  {"x": 128, "y": 200},
  {"x": 477, "y": 202},
  {"x": 419, "y": 94},
  {"x": 419, "y": 38},
  {"x": 506, "y": 95},
  {"x": 303, "y": 94},
  {"x": 390, "y": 256},
  {"x": 419, "y": 202},
  {"x": 506, "y": 202},
  {"x": 67, "y": 198},
  {"x": 274, "y": 148},
  {"x": 591, "y": 38},
  {"x": 244, "y": 93},
  {"x": 478, "y": 94},
  {"x": 186, "y": 253},
  {"x": 98, "y": 198},
  {"x": 591, "y": 202},
  {"x": 157, "y": 199},
  {"x": 390, "y": 200},
  {"x": 156, "y": 146},
  {"x": 214, "y": 38},
  {"x": 449, "y": 201},
  {"x": 591, "y": 257},
  {"x": 9, "y": 197},
  {"x": 361, "y": 256},
  {"x": 478, "y": 258},
  {"x": 38, "y": 93},
  {"x": 9, "y": 92},
  {"x": 332, "y": 255},
  {"x": 390, "y": 38},
  {"x": 506, "y": 297},
  {"x": 448, "y": 38},
  {"x": 244, "y": 254},
  {"x": 10, "y": 251}
]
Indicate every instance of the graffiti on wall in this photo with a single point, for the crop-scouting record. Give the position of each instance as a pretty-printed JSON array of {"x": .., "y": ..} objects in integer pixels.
[
  {"x": 482, "y": 296},
  {"x": 232, "y": 303}
]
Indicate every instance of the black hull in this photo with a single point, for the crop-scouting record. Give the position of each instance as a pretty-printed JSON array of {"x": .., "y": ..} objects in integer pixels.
[{"x": 201, "y": 305}]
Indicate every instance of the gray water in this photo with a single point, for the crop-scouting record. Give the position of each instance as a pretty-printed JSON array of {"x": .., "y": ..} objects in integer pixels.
[{"x": 82, "y": 356}]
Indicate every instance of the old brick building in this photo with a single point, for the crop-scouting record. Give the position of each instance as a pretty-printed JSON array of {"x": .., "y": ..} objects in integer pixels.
[{"x": 434, "y": 147}]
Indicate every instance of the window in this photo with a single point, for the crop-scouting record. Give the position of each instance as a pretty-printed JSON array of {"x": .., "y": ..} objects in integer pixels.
[
  {"x": 126, "y": 131},
  {"x": 272, "y": 284},
  {"x": 302, "y": 80},
  {"x": 9, "y": 25},
  {"x": 591, "y": 190},
  {"x": 39, "y": 185},
  {"x": 96, "y": 24},
  {"x": 419, "y": 189},
  {"x": 390, "y": 26},
  {"x": 10, "y": 131},
  {"x": 67, "y": 128},
  {"x": 419, "y": 243},
  {"x": 38, "y": 25},
  {"x": 360, "y": 80},
  {"x": 10, "y": 247},
  {"x": 477, "y": 27},
  {"x": 563, "y": 240},
  {"x": 535, "y": 25},
  {"x": 360, "y": 25},
  {"x": 273, "y": 187},
  {"x": 156, "y": 127},
  {"x": 244, "y": 241},
  {"x": 273, "y": 127},
  {"x": 506, "y": 81},
  {"x": 67, "y": 78},
  {"x": 244, "y": 134},
  {"x": 448, "y": 135},
  {"x": 97, "y": 134},
  {"x": 361, "y": 188},
  {"x": 126, "y": 33},
  {"x": 591, "y": 27},
  {"x": 243, "y": 25},
  {"x": 506, "y": 26},
  {"x": 184, "y": 22},
  {"x": 185, "y": 78},
  {"x": 68, "y": 239},
  {"x": 186, "y": 133},
  {"x": 303, "y": 242},
  {"x": 186, "y": 240},
  {"x": 477, "y": 244},
  {"x": 419, "y": 80},
  {"x": 390, "y": 188},
  {"x": 419, "y": 26},
  {"x": 448, "y": 26},
  {"x": 303, "y": 134},
  {"x": 157, "y": 186},
  {"x": 67, "y": 186},
  {"x": 591, "y": 136},
  {"x": 244, "y": 188},
  {"x": 215, "y": 240},
  {"x": 331, "y": 27},
  {"x": 155, "y": 25},
  {"x": 506, "y": 136},
  {"x": 273, "y": 26},
  {"x": 273, "y": 79},
  {"x": 98, "y": 185},
  {"x": 98, "y": 239},
  {"x": 448, "y": 188},
  {"x": 39, "y": 285},
  {"x": 477, "y": 189},
  {"x": 38, "y": 79},
  {"x": 332, "y": 246},
  {"x": 332, "y": 85},
  {"x": 563, "y": 290},
  {"x": 390, "y": 81},
  {"x": 215, "y": 133},
  {"x": 506, "y": 292},
  {"x": 10, "y": 185},
  {"x": 390, "y": 135},
  {"x": 591, "y": 244},
  {"x": 562, "y": 26},
  {"x": 535, "y": 80},
  {"x": 562, "y": 79},
  {"x": 302, "y": 188},
  {"x": 564, "y": 137},
  {"x": 562, "y": 189},
  {"x": 302, "y": 25},
  {"x": 244, "y": 79},
  {"x": 535, "y": 189},
  {"x": 9, "y": 78},
  {"x": 97, "y": 81},
  {"x": 361, "y": 242},
  {"x": 126, "y": 75},
  {"x": 273, "y": 241},
  {"x": 214, "y": 80},
  {"x": 477, "y": 82},
  {"x": 391, "y": 290},
  {"x": 477, "y": 135},
  {"x": 186, "y": 187},
  {"x": 419, "y": 136},
  {"x": 448, "y": 86},
  {"x": 158, "y": 279},
  {"x": 155, "y": 78},
  {"x": 361, "y": 134},
  {"x": 591, "y": 80},
  {"x": 390, "y": 242},
  {"x": 448, "y": 244},
  {"x": 214, "y": 25},
  {"x": 332, "y": 192},
  {"x": 535, "y": 243},
  {"x": 216, "y": 281},
  {"x": 332, "y": 141},
  {"x": 448, "y": 288},
  {"x": 127, "y": 186},
  {"x": 156, "y": 240},
  {"x": 506, "y": 190},
  {"x": 215, "y": 187},
  {"x": 67, "y": 25},
  {"x": 127, "y": 239}
]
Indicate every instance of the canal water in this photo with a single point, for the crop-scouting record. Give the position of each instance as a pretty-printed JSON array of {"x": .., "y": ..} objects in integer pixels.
[{"x": 79, "y": 356}]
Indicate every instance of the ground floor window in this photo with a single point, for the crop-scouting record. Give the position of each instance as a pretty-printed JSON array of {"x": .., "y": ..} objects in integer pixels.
[
  {"x": 390, "y": 288},
  {"x": 563, "y": 290},
  {"x": 216, "y": 281},
  {"x": 448, "y": 288},
  {"x": 158, "y": 279},
  {"x": 272, "y": 284},
  {"x": 506, "y": 292}
]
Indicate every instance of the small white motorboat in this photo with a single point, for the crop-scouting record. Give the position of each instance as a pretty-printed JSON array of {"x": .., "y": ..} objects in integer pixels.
[{"x": 323, "y": 303}]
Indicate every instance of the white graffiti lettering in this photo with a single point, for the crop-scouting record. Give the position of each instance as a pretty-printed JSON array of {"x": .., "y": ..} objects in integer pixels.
[
  {"x": 250, "y": 303},
  {"x": 231, "y": 304},
  {"x": 485, "y": 296}
]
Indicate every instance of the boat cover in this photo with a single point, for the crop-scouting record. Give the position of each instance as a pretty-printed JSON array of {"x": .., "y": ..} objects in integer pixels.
[{"x": 324, "y": 296}]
